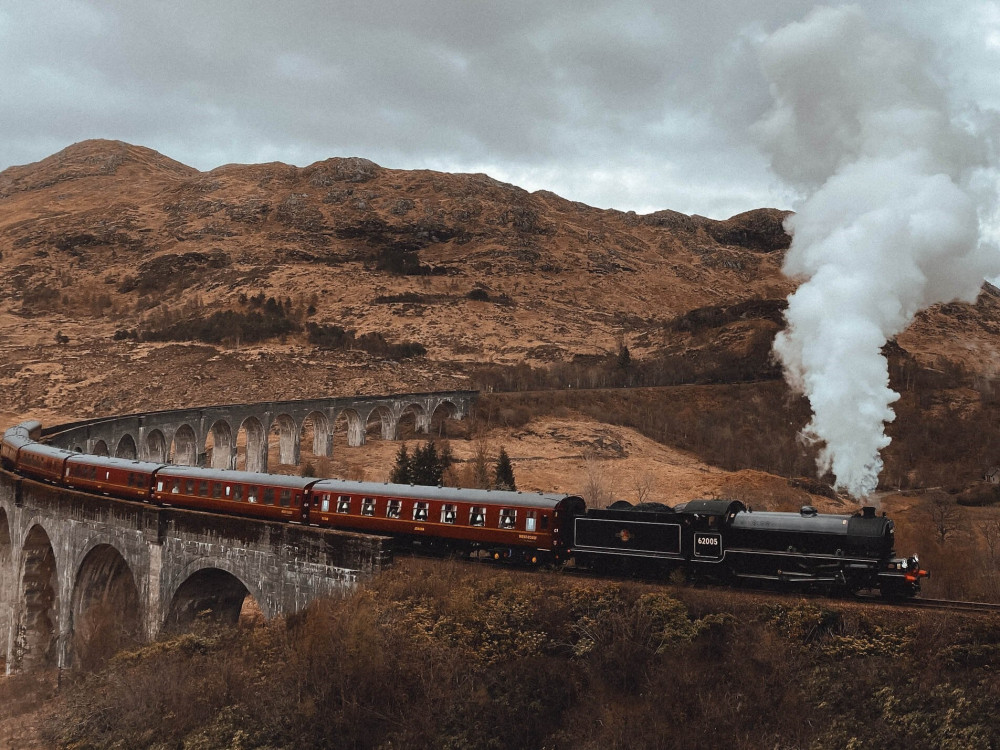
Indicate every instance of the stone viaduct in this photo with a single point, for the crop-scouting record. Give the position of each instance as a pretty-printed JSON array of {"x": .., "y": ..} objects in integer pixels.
[
  {"x": 73, "y": 563},
  {"x": 211, "y": 435}
]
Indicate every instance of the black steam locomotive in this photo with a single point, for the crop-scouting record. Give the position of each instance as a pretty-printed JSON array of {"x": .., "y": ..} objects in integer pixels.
[{"x": 726, "y": 541}]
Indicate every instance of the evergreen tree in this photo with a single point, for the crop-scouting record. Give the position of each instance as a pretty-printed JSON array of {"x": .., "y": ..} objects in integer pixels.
[
  {"x": 624, "y": 358},
  {"x": 427, "y": 467},
  {"x": 445, "y": 459},
  {"x": 504, "y": 472},
  {"x": 402, "y": 472}
]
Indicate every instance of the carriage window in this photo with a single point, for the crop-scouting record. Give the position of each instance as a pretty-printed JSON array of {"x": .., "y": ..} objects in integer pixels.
[
  {"x": 177, "y": 487},
  {"x": 545, "y": 522},
  {"x": 420, "y": 511},
  {"x": 477, "y": 516},
  {"x": 216, "y": 489},
  {"x": 325, "y": 505},
  {"x": 530, "y": 520},
  {"x": 343, "y": 504},
  {"x": 131, "y": 479},
  {"x": 269, "y": 496},
  {"x": 159, "y": 486},
  {"x": 238, "y": 493},
  {"x": 393, "y": 509},
  {"x": 252, "y": 494},
  {"x": 508, "y": 517},
  {"x": 368, "y": 506},
  {"x": 449, "y": 514},
  {"x": 229, "y": 490},
  {"x": 286, "y": 498},
  {"x": 189, "y": 487},
  {"x": 203, "y": 489}
]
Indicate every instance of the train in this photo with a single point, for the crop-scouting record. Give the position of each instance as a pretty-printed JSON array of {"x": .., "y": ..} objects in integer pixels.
[{"x": 721, "y": 540}]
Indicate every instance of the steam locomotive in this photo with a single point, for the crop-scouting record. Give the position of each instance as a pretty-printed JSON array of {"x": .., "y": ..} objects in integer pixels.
[{"x": 718, "y": 539}]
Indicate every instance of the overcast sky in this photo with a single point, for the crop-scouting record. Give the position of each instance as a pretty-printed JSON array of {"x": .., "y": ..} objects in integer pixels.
[{"x": 631, "y": 105}]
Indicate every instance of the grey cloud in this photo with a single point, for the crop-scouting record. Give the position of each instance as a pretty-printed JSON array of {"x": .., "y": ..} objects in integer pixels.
[{"x": 661, "y": 93}]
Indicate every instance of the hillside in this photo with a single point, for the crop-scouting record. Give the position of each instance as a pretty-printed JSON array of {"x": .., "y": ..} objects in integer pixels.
[
  {"x": 106, "y": 233},
  {"x": 131, "y": 282}
]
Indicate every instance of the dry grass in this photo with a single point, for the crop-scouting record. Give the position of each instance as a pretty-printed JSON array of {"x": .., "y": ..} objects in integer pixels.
[{"x": 458, "y": 655}]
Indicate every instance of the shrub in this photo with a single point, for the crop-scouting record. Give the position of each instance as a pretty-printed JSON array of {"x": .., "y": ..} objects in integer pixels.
[
  {"x": 980, "y": 494},
  {"x": 226, "y": 326},
  {"x": 439, "y": 654},
  {"x": 335, "y": 337}
]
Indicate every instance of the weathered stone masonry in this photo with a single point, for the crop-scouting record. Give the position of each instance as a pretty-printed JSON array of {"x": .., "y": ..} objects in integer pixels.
[
  {"x": 182, "y": 435},
  {"x": 62, "y": 550},
  {"x": 62, "y": 553}
]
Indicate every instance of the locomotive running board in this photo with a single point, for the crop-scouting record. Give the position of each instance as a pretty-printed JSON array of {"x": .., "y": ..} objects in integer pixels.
[{"x": 790, "y": 578}]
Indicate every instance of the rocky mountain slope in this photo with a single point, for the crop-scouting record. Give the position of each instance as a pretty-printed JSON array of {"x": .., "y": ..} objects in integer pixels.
[
  {"x": 130, "y": 281},
  {"x": 105, "y": 236}
]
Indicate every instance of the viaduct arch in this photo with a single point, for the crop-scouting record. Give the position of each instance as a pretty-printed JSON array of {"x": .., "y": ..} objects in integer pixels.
[
  {"x": 208, "y": 436},
  {"x": 76, "y": 565},
  {"x": 80, "y": 572}
]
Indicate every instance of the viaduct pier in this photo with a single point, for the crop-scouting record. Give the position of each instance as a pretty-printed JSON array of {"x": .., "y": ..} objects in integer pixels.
[{"x": 69, "y": 559}]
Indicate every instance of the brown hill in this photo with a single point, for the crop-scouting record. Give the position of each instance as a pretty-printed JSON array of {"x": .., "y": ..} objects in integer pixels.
[
  {"x": 131, "y": 281},
  {"x": 105, "y": 236},
  {"x": 574, "y": 277}
]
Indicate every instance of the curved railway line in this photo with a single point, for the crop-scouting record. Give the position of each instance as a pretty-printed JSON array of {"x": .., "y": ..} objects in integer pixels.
[
  {"x": 944, "y": 604},
  {"x": 859, "y": 598},
  {"x": 704, "y": 538}
]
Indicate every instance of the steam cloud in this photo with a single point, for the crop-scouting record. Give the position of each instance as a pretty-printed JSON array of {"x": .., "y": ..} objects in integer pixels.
[{"x": 896, "y": 184}]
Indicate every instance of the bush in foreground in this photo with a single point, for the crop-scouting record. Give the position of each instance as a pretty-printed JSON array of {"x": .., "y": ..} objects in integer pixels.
[{"x": 456, "y": 656}]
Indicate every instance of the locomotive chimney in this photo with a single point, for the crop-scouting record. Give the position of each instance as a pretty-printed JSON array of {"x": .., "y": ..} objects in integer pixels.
[{"x": 868, "y": 511}]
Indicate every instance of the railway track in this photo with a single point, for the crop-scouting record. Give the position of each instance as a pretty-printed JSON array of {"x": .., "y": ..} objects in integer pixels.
[
  {"x": 942, "y": 604},
  {"x": 873, "y": 599},
  {"x": 916, "y": 603},
  {"x": 955, "y": 606}
]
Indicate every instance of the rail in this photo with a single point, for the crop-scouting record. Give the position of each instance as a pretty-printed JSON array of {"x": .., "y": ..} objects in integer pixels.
[{"x": 942, "y": 604}]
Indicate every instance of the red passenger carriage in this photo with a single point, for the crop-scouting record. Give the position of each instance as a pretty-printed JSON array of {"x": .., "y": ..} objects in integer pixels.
[
  {"x": 121, "y": 477},
  {"x": 534, "y": 527},
  {"x": 273, "y": 496},
  {"x": 42, "y": 461},
  {"x": 13, "y": 440}
]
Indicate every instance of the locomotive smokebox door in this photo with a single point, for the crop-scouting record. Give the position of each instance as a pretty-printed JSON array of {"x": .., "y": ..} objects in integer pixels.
[{"x": 707, "y": 546}]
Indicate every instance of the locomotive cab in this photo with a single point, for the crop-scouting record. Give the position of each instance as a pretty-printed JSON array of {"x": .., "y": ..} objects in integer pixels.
[{"x": 708, "y": 523}]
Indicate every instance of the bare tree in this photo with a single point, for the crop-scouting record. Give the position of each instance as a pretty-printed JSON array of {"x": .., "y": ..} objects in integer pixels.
[
  {"x": 945, "y": 515},
  {"x": 989, "y": 529},
  {"x": 597, "y": 490},
  {"x": 481, "y": 464},
  {"x": 642, "y": 485}
]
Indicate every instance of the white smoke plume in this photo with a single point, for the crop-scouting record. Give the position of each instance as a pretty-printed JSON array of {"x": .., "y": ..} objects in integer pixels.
[{"x": 896, "y": 183}]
